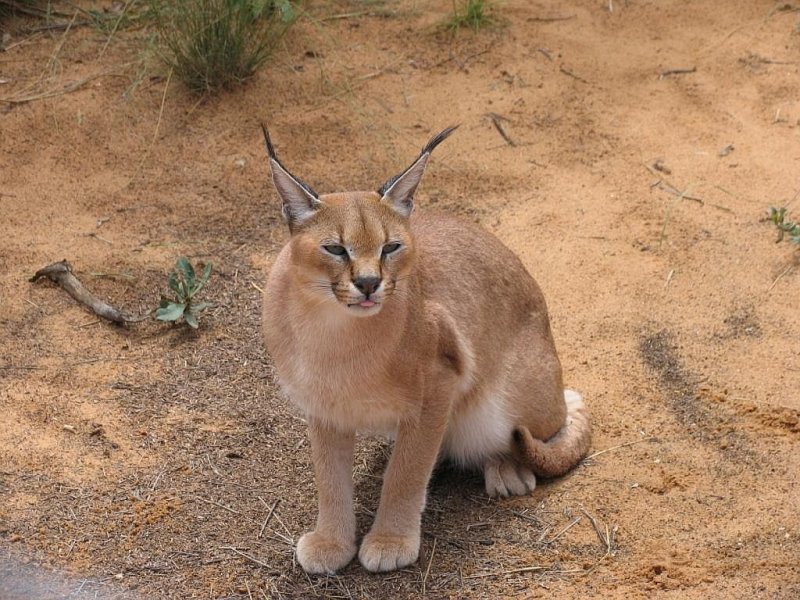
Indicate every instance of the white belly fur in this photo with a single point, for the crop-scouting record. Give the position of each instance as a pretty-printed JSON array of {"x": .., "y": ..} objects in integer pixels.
[{"x": 475, "y": 435}]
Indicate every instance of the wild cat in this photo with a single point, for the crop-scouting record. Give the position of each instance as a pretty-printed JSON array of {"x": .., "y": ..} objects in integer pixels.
[{"x": 419, "y": 324}]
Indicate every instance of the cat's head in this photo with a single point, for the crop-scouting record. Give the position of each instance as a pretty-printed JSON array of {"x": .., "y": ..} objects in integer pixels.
[{"x": 353, "y": 249}]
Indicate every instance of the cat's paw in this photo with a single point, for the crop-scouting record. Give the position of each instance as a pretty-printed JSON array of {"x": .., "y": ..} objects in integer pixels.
[
  {"x": 318, "y": 553},
  {"x": 505, "y": 477},
  {"x": 383, "y": 552}
]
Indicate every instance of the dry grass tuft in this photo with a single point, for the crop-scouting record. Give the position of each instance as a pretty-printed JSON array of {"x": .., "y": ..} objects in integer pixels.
[{"x": 214, "y": 45}]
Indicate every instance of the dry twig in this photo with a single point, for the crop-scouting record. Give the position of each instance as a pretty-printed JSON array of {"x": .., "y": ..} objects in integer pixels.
[
  {"x": 777, "y": 279},
  {"x": 245, "y": 555},
  {"x": 207, "y": 501},
  {"x": 428, "y": 570},
  {"x": 566, "y": 71},
  {"x": 61, "y": 273},
  {"x": 550, "y": 19},
  {"x": 670, "y": 72},
  {"x": 665, "y": 185},
  {"x": 605, "y": 534},
  {"x": 530, "y": 569},
  {"x": 269, "y": 517},
  {"x": 650, "y": 439},
  {"x": 497, "y": 121},
  {"x": 572, "y": 524},
  {"x": 114, "y": 28}
]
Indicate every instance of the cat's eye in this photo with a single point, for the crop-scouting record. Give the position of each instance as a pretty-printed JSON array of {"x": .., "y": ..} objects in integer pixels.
[
  {"x": 389, "y": 248},
  {"x": 335, "y": 249}
]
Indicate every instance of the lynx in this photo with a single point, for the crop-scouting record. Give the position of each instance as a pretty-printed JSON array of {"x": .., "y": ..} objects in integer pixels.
[{"x": 379, "y": 318}]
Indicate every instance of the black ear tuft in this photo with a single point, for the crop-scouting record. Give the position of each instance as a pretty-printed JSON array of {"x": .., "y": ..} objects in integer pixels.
[
  {"x": 273, "y": 156},
  {"x": 268, "y": 142},
  {"x": 438, "y": 139},
  {"x": 300, "y": 202},
  {"x": 427, "y": 149},
  {"x": 398, "y": 191}
]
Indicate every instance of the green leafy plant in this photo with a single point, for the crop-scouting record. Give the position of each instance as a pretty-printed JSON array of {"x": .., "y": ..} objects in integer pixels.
[
  {"x": 216, "y": 44},
  {"x": 784, "y": 227},
  {"x": 185, "y": 284},
  {"x": 470, "y": 13}
]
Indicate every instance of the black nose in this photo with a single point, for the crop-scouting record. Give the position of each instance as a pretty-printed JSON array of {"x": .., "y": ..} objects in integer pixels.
[{"x": 367, "y": 285}]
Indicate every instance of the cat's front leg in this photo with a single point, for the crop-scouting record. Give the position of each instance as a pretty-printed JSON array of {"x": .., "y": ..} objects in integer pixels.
[
  {"x": 332, "y": 545},
  {"x": 393, "y": 542}
]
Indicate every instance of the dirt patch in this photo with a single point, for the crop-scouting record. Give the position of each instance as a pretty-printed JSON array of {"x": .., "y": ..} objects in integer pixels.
[
  {"x": 743, "y": 323},
  {"x": 660, "y": 353},
  {"x": 644, "y": 143}
]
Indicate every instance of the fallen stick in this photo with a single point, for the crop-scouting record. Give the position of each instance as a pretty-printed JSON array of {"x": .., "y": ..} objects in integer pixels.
[
  {"x": 599, "y": 452},
  {"x": 496, "y": 121},
  {"x": 550, "y": 19},
  {"x": 572, "y": 524},
  {"x": 252, "y": 559},
  {"x": 669, "y": 72},
  {"x": 61, "y": 273},
  {"x": 530, "y": 569},
  {"x": 566, "y": 71}
]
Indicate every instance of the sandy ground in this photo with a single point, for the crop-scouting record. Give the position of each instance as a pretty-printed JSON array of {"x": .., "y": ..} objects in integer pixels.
[{"x": 143, "y": 462}]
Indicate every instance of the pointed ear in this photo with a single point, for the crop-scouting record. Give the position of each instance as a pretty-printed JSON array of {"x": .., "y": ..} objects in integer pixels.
[
  {"x": 398, "y": 192},
  {"x": 299, "y": 201}
]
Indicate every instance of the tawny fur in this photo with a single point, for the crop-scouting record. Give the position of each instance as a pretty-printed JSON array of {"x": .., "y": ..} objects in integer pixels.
[
  {"x": 452, "y": 354},
  {"x": 561, "y": 452}
]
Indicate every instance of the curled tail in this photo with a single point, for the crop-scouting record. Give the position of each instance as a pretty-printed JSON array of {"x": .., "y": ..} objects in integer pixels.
[{"x": 565, "y": 449}]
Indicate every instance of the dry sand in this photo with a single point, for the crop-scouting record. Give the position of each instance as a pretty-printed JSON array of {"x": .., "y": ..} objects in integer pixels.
[{"x": 142, "y": 462}]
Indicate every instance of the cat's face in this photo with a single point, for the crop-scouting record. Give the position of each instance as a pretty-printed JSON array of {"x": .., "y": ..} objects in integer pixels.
[
  {"x": 353, "y": 252},
  {"x": 353, "y": 249}
]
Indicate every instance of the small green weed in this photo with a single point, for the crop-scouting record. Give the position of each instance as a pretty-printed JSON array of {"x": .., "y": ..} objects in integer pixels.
[
  {"x": 216, "y": 44},
  {"x": 185, "y": 284},
  {"x": 470, "y": 13},
  {"x": 778, "y": 218}
]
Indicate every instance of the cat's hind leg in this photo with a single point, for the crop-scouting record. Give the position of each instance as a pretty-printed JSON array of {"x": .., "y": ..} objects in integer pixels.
[{"x": 504, "y": 476}]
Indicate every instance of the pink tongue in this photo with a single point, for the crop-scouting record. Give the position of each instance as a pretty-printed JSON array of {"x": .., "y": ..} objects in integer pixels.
[{"x": 366, "y": 303}]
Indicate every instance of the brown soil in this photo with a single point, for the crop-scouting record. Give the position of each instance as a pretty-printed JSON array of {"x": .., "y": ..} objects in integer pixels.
[{"x": 142, "y": 462}]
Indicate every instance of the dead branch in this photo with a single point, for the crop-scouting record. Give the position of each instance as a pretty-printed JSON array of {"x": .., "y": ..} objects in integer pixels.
[
  {"x": 566, "y": 71},
  {"x": 550, "y": 19},
  {"x": 61, "y": 273},
  {"x": 252, "y": 559},
  {"x": 599, "y": 452},
  {"x": 670, "y": 72},
  {"x": 572, "y": 524},
  {"x": 498, "y": 125},
  {"x": 520, "y": 570}
]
